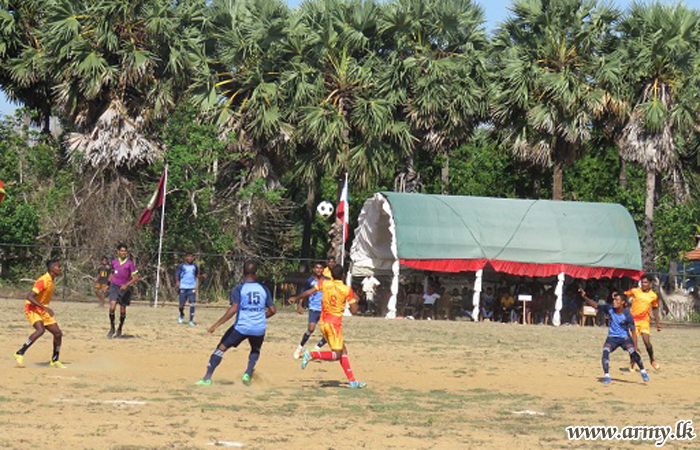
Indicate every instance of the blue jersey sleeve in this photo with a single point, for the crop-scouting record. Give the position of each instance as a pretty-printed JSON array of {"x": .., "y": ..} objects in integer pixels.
[
  {"x": 179, "y": 272},
  {"x": 236, "y": 294},
  {"x": 269, "y": 301},
  {"x": 307, "y": 285},
  {"x": 196, "y": 270}
]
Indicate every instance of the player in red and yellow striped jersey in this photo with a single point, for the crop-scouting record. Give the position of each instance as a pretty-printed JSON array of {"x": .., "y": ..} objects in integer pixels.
[
  {"x": 645, "y": 301},
  {"x": 335, "y": 295},
  {"x": 37, "y": 310}
]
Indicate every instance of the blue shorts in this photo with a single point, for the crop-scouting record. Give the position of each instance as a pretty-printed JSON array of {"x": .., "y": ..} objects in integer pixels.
[
  {"x": 314, "y": 316},
  {"x": 232, "y": 338},
  {"x": 615, "y": 342},
  {"x": 187, "y": 295}
]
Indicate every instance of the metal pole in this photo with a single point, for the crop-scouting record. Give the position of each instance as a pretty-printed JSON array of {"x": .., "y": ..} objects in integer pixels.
[
  {"x": 160, "y": 241},
  {"x": 345, "y": 219}
]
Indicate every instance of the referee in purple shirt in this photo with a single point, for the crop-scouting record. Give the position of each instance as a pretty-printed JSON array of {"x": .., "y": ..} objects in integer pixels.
[{"x": 123, "y": 276}]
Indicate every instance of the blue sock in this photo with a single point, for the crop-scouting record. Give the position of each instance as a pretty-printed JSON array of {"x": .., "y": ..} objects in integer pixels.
[
  {"x": 214, "y": 361},
  {"x": 252, "y": 360},
  {"x": 191, "y": 313}
]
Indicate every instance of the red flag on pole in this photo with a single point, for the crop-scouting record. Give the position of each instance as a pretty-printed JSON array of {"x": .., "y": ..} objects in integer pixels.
[
  {"x": 156, "y": 201},
  {"x": 2, "y": 192},
  {"x": 344, "y": 209}
]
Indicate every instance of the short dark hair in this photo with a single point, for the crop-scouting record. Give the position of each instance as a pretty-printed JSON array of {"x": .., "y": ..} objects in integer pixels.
[
  {"x": 337, "y": 272},
  {"x": 189, "y": 253},
  {"x": 250, "y": 268},
  {"x": 648, "y": 277},
  {"x": 331, "y": 258},
  {"x": 50, "y": 263},
  {"x": 104, "y": 257},
  {"x": 122, "y": 245},
  {"x": 318, "y": 263}
]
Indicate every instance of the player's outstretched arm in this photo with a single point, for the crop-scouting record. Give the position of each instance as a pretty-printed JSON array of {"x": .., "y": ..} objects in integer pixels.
[
  {"x": 227, "y": 315},
  {"x": 588, "y": 300}
]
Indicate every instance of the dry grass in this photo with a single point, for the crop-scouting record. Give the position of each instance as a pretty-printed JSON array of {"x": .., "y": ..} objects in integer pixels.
[{"x": 431, "y": 385}]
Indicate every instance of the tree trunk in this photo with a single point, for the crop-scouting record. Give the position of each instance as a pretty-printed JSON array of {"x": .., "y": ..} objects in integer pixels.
[
  {"x": 308, "y": 222},
  {"x": 445, "y": 173},
  {"x": 648, "y": 253},
  {"x": 558, "y": 181},
  {"x": 622, "y": 179}
]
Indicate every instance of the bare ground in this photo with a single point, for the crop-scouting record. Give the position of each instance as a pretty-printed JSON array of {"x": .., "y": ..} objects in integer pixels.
[{"x": 438, "y": 385}]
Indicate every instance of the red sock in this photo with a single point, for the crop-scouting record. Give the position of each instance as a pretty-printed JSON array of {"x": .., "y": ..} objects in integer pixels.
[
  {"x": 324, "y": 356},
  {"x": 345, "y": 362}
]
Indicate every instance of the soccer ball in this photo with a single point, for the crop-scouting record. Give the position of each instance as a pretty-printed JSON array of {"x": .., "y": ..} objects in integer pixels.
[{"x": 325, "y": 209}]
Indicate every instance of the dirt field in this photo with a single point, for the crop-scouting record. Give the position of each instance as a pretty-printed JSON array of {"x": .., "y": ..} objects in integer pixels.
[{"x": 442, "y": 385}]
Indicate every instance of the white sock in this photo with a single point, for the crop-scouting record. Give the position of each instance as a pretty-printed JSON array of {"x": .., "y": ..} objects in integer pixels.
[
  {"x": 643, "y": 371},
  {"x": 607, "y": 375}
]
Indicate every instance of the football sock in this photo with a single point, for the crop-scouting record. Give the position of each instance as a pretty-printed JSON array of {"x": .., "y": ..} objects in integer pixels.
[
  {"x": 111, "y": 321},
  {"x": 122, "y": 318},
  {"x": 252, "y": 360},
  {"x": 214, "y": 361},
  {"x": 606, "y": 359},
  {"x": 25, "y": 346},
  {"x": 191, "y": 313},
  {"x": 637, "y": 359},
  {"x": 325, "y": 356},
  {"x": 321, "y": 343},
  {"x": 182, "y": 311},
  {"x": 345, "y": 362},
  {"x": 305, "y": 338},
  {"x": 56, "y": 351}
]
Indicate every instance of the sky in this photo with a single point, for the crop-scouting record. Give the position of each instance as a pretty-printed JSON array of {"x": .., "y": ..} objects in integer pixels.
[{"x": 495, "y": 11}]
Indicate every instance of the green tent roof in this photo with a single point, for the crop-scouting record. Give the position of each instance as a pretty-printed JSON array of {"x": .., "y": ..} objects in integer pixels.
[{"x": 527, "y": 231}]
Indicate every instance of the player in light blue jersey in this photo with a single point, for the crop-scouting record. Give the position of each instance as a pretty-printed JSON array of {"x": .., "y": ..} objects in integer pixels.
[
  {"x": 621, "y": 333},
  {"x": 186, "y": 285},
  {"x": 254, "y": 305},
  {"x": 314, "y": 309}
]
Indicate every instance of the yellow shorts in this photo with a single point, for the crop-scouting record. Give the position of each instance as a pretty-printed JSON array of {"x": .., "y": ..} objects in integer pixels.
[
  {"x": 643, "y": 327},
  {"x": 333, "y": 334},
  {"x": 35, "y": 315}
]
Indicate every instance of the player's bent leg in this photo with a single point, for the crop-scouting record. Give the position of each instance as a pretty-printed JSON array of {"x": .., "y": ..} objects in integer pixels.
[
  {"x": 256, "y": 343},
  {"x": 38, "y": 331},
  {"x": 637, "y": 359},
  {"x": 646, "y": 337},
  {"x": 57, "y": 340}
]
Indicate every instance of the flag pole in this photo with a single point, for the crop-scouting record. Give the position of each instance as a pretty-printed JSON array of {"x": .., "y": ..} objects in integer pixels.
[
  {"x": 345, "y": 220},
  {"x": 160, "y": 240}
]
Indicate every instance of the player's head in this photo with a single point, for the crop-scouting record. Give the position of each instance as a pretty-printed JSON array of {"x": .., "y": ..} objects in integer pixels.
[
  {"x": 250, "y": 268},
  {"x": 189, "y": 257},
  {"x": 318, "y": 269},
  {"x": 331, "y": 263},
  {"x": 617, "y": 300},
  {"x": 337, "y": 272},
  {"x": 104, "y": 261},
  {"x": 53, "y": 267},
  {"x": 122, "y": 250},
  {"x": 647, "y": 280}
]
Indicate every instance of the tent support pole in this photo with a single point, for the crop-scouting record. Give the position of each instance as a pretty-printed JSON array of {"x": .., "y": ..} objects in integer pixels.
[
  {"x": 476, "y": 298},
  {"x": 559, "y": 292}
]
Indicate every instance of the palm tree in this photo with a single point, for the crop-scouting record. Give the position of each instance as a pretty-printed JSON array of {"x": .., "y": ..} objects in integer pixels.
[
  {"x": 435, "y": 72},
  {"x": 659, "y": 51},
  {"x": 120, "y": 67},
  {"x": 545, "y": 93},
  {"x": 24, "y": 73}
]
